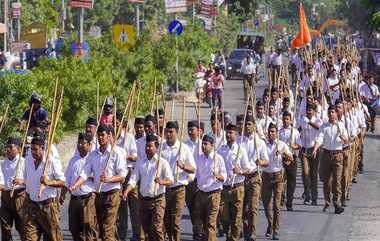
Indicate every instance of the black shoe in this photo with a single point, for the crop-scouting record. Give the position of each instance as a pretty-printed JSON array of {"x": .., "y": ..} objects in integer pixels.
[
  {"x": 289, "y": 208},
  {"x": 307, "y": 202},
  {"x": 269, "y": 232},
  {"x": 344, "y": 204},
  {"x": 339, "y": 210},
  {"x": 354, "y": 180},
  {"x": 220, "y": 232},
  {"x": 276, "y": 236},
  {"x": 314, "y": 203},
  {"x": 326, "y": 208},
  {"x": 360, "y": 170}
]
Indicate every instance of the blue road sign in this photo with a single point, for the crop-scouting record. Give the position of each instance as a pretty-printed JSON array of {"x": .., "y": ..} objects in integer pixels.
[{"x": 175, "y": 27}]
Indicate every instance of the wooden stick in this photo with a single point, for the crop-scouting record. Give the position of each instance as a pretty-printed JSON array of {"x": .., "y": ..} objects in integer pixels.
[
  {"x": 138, "y": 100},
  {"x": 172, "y": 109},
  {"x": 241, "y": 134},
  {"x": 158, "y": 172},
  {"x": 97, "y": 100},
  {"x": 52, "y": 128},
  {"x": 163, "y": 95},
  {"x": 114, "y": 112},
  {"x": 130, "y": 98},
  {"x": 154, "y": 96},
  {"x": 22, "y": 150},
  {"x": 181, "y": 137},
  {"x": 4, "y": 118}
]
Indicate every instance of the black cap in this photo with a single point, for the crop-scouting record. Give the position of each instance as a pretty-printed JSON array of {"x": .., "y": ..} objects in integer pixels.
[
  {"x": 202, "y": 125},
  {"x": 232, "y": 127},
  {"x": 193, "y": 123},
  {"x": 272, "y": 125},
  {"x": 14, "y": 141},
  {"x": 92, "y": 121},
  {"x": 286, "y": 113},
  {"x": 150, "y": 118},
  {"x": 160, "y": 112},
  {"x": 38, "y": 140},
  {"x": 85, "y": 137},
  {"x": 35, "y": 98},
  {"x": 240, "y": 118},
  {"x": 105, "y": 128},
  {"x": 249, "y": 118},
  {"x": 150, "y": 138},
  {"x": 259, "y": 103},
  {"x": 215, "y": 116},
  {"x": 172, "y": 125},
  {"x": 139, "y": 120},
  {"x": 209, "y": 139},
  {"x": 311, "y": 106}
]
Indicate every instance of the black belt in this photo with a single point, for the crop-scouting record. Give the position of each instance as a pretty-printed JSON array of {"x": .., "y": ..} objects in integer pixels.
[
  {"x": 251, "y": 175},
  {"x": 81, "y": 197},
  {"x": 16, "y": 191},
  {"x": 174, "y": 188},
  {"x": 108, "y": 192},
  {"x": 210, "y": 192},
  {"x": 346, "y": 148},
  {"x": 235, "y": 185},
  {"x": 332, "y": 151},
  {"x": 272, "y": 174},
  {"x": 148, "y": 199},
  {"x": 44, "y": 202}
]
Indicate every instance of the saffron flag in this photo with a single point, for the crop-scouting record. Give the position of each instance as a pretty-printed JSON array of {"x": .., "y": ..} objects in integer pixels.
[{"x": 303, "y": 36}]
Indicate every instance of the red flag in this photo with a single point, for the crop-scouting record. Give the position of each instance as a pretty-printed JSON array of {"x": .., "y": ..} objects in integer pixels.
[{"x": 303, "y": 36}]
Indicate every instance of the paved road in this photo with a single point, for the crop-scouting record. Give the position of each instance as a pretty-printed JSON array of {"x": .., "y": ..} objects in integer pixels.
[{"x": 360, "y": 221}]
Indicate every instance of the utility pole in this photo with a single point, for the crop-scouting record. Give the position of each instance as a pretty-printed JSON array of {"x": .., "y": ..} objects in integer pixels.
[
  {"x": 5, "y": 24},
  {"x": 81, "y": 20},
  {"x": 138, "y": 19}
]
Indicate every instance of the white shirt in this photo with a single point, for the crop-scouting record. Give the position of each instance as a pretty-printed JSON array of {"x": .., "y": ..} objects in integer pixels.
[
  {"x": 308, "y": 133},
  {"x": 275, "y": 161},
  {"x": 145, "y": 172},
  {"x": 194, "y": 147},
  {"x": 284, "y": 135},
  {"x": 74, "y": 169},
  {"x": 8, "y": 168},
  {"x": 32, "y": 176},
  {"x": 254, "y": 152},
  {"x": 128, "y": 143},
  {"x": 206, "y": 181},
  {"x": 369, "y": 91},
  {"x": 232, "y": 160},
  {"x": 264, "y": 123},
  {"x": 350, "y": 128},
  {"x": 329, "y": 136},
  {"x": 140, "y": 144},
  {"x": 96, "y": 164},
  {"x": 171, "y": 154},
  {"x": 247, "y": 68}
]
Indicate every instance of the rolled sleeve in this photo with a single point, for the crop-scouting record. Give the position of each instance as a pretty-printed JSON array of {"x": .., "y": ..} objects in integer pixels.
[
  {"x": 135, "y": 177},
  {"x": 121, "y": 169},
  {"x": 57, "y": 170}
]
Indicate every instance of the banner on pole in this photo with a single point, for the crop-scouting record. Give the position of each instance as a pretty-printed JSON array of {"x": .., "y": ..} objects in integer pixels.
[
  {"x": 175, "y": 6},
  {"x": 208, "y": 8},
  {"x": 81, "y": 3}
]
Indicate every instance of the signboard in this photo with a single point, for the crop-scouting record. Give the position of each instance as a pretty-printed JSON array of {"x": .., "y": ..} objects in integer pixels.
[
  {"x": 175, "y": 27},
  {"x": 81, "y": 3},
  {"x": 208, "y": 8},
  {"x": 36, "y": 35},
  {"x": 80, "y": 51},
  {"x": 16, "y": 10},
  {"x": 19, "y": 47},
  {"x": 124, "y": 35},
  {"x": 175, "y": 6}
]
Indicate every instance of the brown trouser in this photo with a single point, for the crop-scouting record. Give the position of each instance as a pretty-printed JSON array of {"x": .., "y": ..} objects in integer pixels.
[
  {"x": 107, "y": 206},
  {"x": 191, "y": 199},
  {"x": 310, "y": 169},
  {"x": 132, "y": 203},
  {"x": 152, "y": 212},
  {"x": 208, "y": 205},
  {"x": 273, "y": 184},
  {"x": 252, "y": 188},
  {"x": 175, "y": 201},
  {"x": 353, "y": 157},
  {"x": 233, "y": 197},
  {"x": 345, "y": 169},
  {"x": 248, "y": 83},
  {"x": 332, "y": 168},
  {"x": 12, "y": 210},
  {"x": 42, "y": 218},
  {"x": 82, "y": 218}
]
